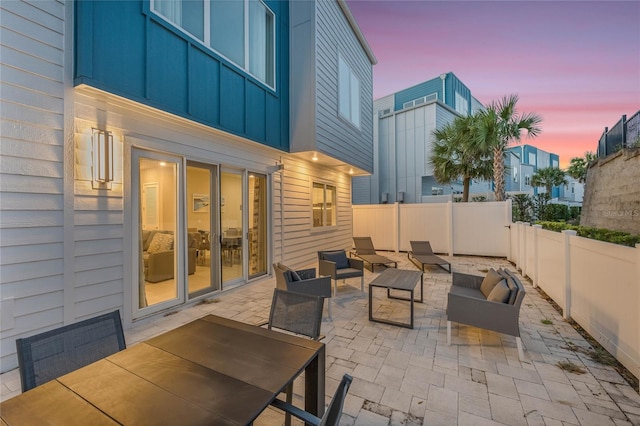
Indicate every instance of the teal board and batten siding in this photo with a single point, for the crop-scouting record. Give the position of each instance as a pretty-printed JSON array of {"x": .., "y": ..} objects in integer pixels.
[
  {"x": 452, "y": 85},
  {"x": 124, "y": 48},
  {"x": 32, "y": 180},
  {"x": 335, "y": 136}
]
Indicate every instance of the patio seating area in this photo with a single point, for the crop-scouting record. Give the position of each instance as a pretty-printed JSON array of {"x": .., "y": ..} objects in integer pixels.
[{"x": 412, "y": 377}]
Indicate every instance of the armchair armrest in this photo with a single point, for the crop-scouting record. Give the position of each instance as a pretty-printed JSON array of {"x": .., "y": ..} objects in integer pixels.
[
  {"x": 495, "y": 316},
  {"x": 316, "y": 286},
  {"x": 466, "y": 280},
  {"x": 326, "y": 267},
  {"x": 356, "y": 264}
]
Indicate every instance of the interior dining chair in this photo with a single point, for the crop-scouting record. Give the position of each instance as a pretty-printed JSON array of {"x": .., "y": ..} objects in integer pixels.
[
  {"x": 333, "y": 413},
  {"x": 49, "y": 355},
  {"x": 296, "y": 313}
]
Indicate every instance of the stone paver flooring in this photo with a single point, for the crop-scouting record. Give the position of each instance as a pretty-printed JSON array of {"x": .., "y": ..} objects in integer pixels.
[{"x": 412, "y": 377}]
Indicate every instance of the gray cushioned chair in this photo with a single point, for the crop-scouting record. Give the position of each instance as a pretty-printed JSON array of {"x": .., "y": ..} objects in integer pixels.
[
  {"x": 303, "y": 281},
  {"x": 336, "y": 264},
  {"x": 468, "y": 304}
]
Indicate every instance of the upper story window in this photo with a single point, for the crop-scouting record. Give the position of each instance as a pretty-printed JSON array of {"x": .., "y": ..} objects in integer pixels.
[
  {"x": 348, "y": 93},
  {"x": 325, "y": 205},
  {"x": 515, "y": 175},
  {"x": 243, "y": 31},
  {"x": 462, "y": 106}
]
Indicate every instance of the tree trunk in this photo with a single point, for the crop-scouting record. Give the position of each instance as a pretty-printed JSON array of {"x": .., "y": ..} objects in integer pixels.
[
  {"x": 498, "y": 173},
  {"x": 465, "y": 189}
]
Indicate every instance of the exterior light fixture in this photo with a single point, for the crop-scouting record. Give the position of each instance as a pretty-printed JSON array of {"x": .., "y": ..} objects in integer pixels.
[
  {"x": 102, "y": 143},
  {"x": 350, "y": 171},
  {"x": 315, "y": 157}
]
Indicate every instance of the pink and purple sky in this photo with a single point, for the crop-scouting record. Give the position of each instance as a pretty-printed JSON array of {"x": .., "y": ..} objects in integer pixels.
[{"x": 576, "y": 63}]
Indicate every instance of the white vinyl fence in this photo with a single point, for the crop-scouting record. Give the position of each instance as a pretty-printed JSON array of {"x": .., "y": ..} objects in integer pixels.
[
  {"x": 451, "y": 228},
  {"x": 597, "y": 284}
]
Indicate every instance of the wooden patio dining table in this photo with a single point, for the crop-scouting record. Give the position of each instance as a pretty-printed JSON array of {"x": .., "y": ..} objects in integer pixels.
[{"x": 212, "y": 371}]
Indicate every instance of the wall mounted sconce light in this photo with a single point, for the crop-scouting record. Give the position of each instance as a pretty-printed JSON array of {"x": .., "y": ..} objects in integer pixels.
[{"x": 102, "y": 166}]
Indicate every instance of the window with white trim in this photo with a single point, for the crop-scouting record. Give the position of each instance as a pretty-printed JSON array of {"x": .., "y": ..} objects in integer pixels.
[
  {"x": 242, "y": 31},
  {"x": 348, "y": 93},
  {"x": 462, "y": 106},
  {"x": 325, "y": 205}
]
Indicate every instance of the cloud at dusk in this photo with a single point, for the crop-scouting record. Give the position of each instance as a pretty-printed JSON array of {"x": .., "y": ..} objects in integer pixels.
[{"x": 575, "y": 63}]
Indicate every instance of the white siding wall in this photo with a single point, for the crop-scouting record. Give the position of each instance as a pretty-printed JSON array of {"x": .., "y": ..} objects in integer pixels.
[{"x": 31, "y": 170}]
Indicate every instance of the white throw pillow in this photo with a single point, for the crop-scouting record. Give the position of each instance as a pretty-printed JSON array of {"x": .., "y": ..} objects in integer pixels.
[{"x": 161, "y": 242}]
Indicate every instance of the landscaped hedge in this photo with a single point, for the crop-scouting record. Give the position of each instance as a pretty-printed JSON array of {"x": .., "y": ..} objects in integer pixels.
[{"x": 615, "y": 237}]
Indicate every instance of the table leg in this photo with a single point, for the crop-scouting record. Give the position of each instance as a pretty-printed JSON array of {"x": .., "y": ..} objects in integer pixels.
[
  {"x": 314, "y": 384},
  {"x": 411, "y": 302}
]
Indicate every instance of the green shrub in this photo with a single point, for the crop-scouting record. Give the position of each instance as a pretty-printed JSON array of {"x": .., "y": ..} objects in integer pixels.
[
  {"x": 600, "y": 234},
  {"x": 557, "y": 212},
  {"x": 574, "y": 212}
]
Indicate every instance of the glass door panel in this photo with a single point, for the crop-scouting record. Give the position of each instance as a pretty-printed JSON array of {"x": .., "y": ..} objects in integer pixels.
[
  {"x": 231, "y": 223},
  {"x": 257, "y": 233},
  {"x": 202, "y": 247},
  {"x": 159, "y": 248}
]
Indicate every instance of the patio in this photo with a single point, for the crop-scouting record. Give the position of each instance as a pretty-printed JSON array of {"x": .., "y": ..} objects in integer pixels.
[{"x": 412, "y": 377}]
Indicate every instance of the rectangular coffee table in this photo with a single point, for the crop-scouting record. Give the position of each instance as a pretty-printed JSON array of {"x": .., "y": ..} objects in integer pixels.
[{"x": 396, "y": 279}]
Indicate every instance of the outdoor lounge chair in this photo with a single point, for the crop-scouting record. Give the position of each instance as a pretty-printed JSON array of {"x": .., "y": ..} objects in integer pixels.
[
  {"x": 421, "y": 255},
  {"x": 367, "y": 252},
  {"x": 49, "y": 355}
]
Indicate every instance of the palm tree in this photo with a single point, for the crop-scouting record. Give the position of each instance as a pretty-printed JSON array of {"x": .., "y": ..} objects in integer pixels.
[
  {"x": 455, "y": 156},
  {"x": 497, "y": 127},
  {"x": 578, "y": 166},
  {"x": 548, "y": 177}
]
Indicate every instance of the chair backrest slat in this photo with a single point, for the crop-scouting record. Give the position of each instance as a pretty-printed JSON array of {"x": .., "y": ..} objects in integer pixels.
[
  {"x": 296, "y": 312},
  {"x": 51, "y": 354},
  {"x": 364, "y": 245},
  {"x": 421, "y": 247}
]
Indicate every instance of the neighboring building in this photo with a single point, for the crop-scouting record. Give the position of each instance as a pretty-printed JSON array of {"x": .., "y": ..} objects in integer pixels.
[
  {"x": 155, "y": 153},
  {"x": 403, "y": 126},
  {"x": 521, "y": 162}
]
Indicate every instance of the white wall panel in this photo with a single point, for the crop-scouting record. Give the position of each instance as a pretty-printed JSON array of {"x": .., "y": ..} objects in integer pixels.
[
  {"x": 605, "y": 290},
  {"x": 480, "y": 229},
  {"x": 424, "y": 222}
]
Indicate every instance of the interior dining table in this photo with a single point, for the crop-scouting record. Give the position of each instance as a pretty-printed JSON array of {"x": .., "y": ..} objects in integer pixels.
[{"x": 211, "y": 371}]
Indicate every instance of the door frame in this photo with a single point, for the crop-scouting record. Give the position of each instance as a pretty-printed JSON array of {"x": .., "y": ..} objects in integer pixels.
[{"x": 179, "y": 235}]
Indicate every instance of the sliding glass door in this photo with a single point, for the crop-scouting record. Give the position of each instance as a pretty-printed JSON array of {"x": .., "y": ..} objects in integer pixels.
[
  {"x": 198, "y": 229},
  {"x": 257, "y": 221},
  {"x": 159, "y": 253},
  {"x": 231, "y": 224},
  {"x": 203, "y": 273}
]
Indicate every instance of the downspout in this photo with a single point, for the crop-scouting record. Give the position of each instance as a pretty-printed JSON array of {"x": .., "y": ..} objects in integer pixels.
[{"x": 443, "y": 77}]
